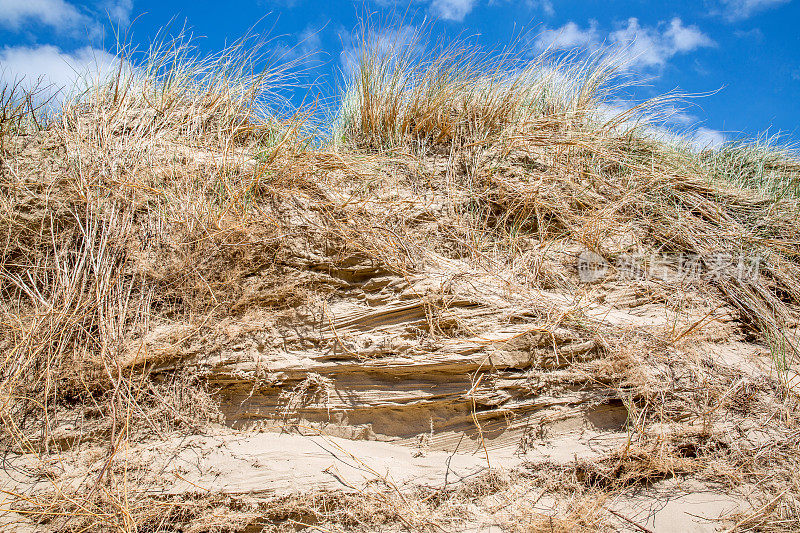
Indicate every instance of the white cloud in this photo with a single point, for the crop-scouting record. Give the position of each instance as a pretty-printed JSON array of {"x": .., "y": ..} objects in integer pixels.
[
  {"x": 65, "y": 16},
  {"x": 742, "y": 9},
  {"x": 63, "y": 70},
  {"x": 570, "y": 35},
  {"x": 686, "y": 38},
  {"x": 639, "y": 46},
  {"x": 650, "y": 47},
  {"x": 544, "y": 5},
  {"x": 677, "y": 115},
  {"x": 119, "y": 11},
  {"x": 452, "y": 9},
  {"x": 706, "y": 138},
  {"x": 669, "y": 123},
  {"x": 306, "y": 52},
  {"x": 388, "y": 42},
  {"x": 698, "y": 140},
  {"x": 56, "y": 13},
  {"x": 754, "y": 33}
]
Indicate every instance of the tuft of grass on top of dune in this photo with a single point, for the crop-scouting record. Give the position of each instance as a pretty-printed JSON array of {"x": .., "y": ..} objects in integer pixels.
[{"x": 460, "y": 96}]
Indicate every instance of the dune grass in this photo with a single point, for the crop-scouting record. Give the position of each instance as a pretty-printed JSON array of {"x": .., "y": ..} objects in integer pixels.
[{"x": 399, "y": 95}]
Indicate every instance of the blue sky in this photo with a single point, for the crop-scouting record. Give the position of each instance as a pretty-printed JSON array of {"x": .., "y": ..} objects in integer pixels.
[{"x": 746, "y": 53}]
